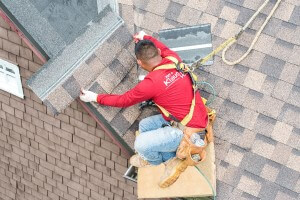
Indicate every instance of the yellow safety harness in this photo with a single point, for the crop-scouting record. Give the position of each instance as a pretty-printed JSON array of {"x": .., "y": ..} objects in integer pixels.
[{"x": 185, "y": 69}]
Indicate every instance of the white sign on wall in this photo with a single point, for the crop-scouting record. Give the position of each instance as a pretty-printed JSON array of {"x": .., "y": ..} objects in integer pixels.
[{"x": 10, "y": 80}]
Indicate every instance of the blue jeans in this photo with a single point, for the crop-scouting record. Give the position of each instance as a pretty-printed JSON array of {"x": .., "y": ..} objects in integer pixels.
[{"x": 154, "y": 143}]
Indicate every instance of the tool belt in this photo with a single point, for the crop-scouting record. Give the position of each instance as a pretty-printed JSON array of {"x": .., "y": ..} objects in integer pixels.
[{"x": 186, "y": 149}]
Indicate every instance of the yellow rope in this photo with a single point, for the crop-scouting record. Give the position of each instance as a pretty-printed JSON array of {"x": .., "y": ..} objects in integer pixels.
[{"x": 256, "y": 35}]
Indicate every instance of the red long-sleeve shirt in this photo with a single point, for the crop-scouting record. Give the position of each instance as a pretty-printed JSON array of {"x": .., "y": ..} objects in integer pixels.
[{"x": 170, "y": 89}]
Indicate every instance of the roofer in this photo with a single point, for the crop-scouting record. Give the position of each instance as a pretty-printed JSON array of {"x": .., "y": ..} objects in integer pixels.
[{"x": 171, "y": 89}]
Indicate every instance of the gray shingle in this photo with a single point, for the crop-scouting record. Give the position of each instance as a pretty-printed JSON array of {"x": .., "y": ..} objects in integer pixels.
[
  {"x": 231, "y": 111},
  {"x": 253, "y": 163},
  {"x": 119, "y": 71},
  {"x": 237, "y": 94},
  {"x": 287, "y": 177},
  {"x": 272, "y": 27},
  {"x": 244, "y": 16},
  {"x": 187, "y": 18},
  {"x": 141, "y": 4},
  {"x": 281, "y": 153},
  {"x": 173, "y": 10},
  {"x": 253, "y": 99},
  {"x": 270, "y": 106},
  {"x": 282, "y": 49},
  {"x": 264, "y": 125},
  {"x": 215, "y": 7},
  {"x": 268, "y": 190},
  {"x": 290, "y": 114},
  {"x": 152, "y": 6},
  {"x": 294, "y": 97},
  {"x": 238, "y": 74},
  {"x": 269, "y": 85},
  {"x": 224, "y": 189},
  {"x": 284, "y": 193},
  {"x": 232, "y": 175},
  {"x": 295, "y": 17},
  {"x": 120, "y": 124},
  {"x": 270, "y": 170},
  {"x": 248, "y": 119},
  {"x": 263, "y": 146},
  {"x": 294, "y": 139},
  {"x": 97, "y": 88},
  {"x": 289, "y": 74},
  {"x": 233, "y": 132},
  {"x": 250, "y": 183},
  {"x": 282, "y": 90},
  {"x": 272, "y": 66},
  {"x": 72, "y": 87}
]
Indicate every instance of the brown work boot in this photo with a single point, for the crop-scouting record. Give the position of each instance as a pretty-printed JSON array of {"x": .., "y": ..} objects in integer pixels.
[
  {"x": 173, "y": 168},
  {"x": 137, "y": 161}
]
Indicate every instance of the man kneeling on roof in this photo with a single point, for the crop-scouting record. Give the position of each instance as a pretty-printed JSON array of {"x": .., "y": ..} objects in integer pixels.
[{"x": 171, "y": 89}]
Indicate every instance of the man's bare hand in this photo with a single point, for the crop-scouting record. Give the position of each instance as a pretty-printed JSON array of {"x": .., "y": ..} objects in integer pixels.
[{"x": 139, "y": 36}]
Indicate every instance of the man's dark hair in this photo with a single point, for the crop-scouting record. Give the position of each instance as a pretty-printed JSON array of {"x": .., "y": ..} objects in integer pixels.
[{"x": 145, "y": 50}]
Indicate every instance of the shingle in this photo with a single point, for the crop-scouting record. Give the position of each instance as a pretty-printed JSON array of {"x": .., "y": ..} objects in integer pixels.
[
  {"x": 107, "y": 84},
  {"x": 131, "y": 113},
  {"x": 222, "y": 148},
  {"x": 248, "y": 163},
  {"x": 244, "y": 16},
  {"x": 294, "y": 58},
  {"x": 288, "y": 32},
  {"x": 264, "y": 125},
  {"x": 158, "y": 7},
  {"x": 263, "y": 146},
  {"x": 270, "y": 170},
  {"x": 199, "y": 5},
  {"x": 120, "y": 124},
  {"x": 72, "y": 87},
  {"x": 272, "y": 66},
  {"x": 237, "y": 94},
  {"x": 233, "y": 133},
  {"x": 284, "y": 193},
  {"x": 250, "y": 184},
  {"x": 238, "y": 74},
  {"x": 97, "y": 88},
  {"x": 152, "y": 22},
  {"x": 230, "y": 29},
  {"x": 183, "y": 2},
  {"x": 232, "y": 175},
  {"x": 268, "y": 190},
  {"x": 281, "y": 132},
  {"x": 229, "y": 13},
  {"x": 58, "y": 104},
  {"x": 126, "y": 59},
  {"x": 51, "y": 107},
  {"x": 270, "y": 106},
  {"x": 272, "y": 27},
  {"x": 231, "y": 111},
  {"x": 122, "y": 36},
  {"x": 187, "y": 18},
  {"x": 264, "y": 43},
  {"x": 108, "y": 112},
  {"x": 253, "y": 60},
  {"x": 282, "y": 90},
  {"x": 173, "y": 11},
  {"x": 297, "y": 82},
  {"x": 248, "y": 119},
  {"x": 129, "y": 138},
  {"x": 287, "y": 177},
  {"x": 269, "y": 85},
  {"x": 247, "y": 139},
  {"x": 295, "y": 17},
  {"x": 289, "y": 73},
  {"x": 253, "y": 99},
  {"x": 107, "y": 52},
  {"x": 290, "y": 114},
  {"x": 224, "y": 189},
  {"x": 215, "y": 7},
  {"x": 294, "y": 160},
  {"x": 119, "y": 71},
  {"x": 207, "y": 18},
  {"x": 284, "y": 11},
  {"x": 294, "y": 139},
  {"x": 87, "y": 72},
  {"x": 248, "y": 196},
  {"x": 254, "y": 80},
  {"x": 282, "y": 50},
  {"x": 141, "y": 4},
  {"x": 235, "y": 155},
  {"x": 281, "y": 153},
  {"x": 237, "y": 2}
]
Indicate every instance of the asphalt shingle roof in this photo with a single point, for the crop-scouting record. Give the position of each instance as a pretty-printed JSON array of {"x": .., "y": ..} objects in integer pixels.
[{"x": 257, "y": 129}]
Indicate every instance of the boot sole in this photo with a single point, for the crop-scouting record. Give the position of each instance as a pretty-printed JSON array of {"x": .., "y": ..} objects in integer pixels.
[{"x": 174, "y": 176}]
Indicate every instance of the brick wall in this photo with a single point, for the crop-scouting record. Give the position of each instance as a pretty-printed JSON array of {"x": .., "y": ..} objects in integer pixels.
[{"x": 53, "y": 157}]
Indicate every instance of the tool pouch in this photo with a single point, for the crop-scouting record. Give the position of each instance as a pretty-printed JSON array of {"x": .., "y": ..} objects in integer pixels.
[{"x": 186, "y": 149}]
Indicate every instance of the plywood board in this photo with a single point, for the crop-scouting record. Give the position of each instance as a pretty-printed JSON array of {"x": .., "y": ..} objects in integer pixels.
[{"x": 190, "y": 183}]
